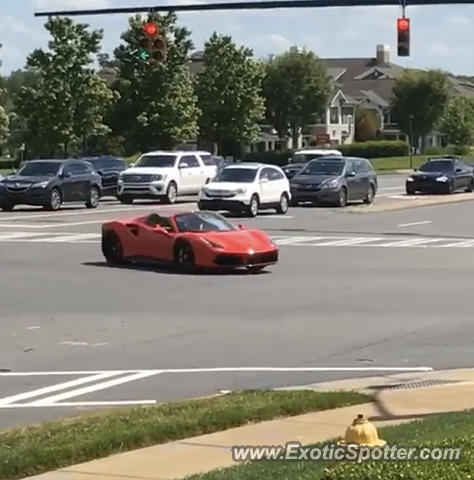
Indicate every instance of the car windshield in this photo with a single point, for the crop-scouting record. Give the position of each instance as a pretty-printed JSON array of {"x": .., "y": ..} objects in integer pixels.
[
  {"x": 323, "y": 167},
  {"x": 238, "y": 175},
  {"x": 157, "y": 161},
  {"x": 203, "y": 222},
  {"x": 437, "y": 166},
  {"x": 39, "y": 168}
]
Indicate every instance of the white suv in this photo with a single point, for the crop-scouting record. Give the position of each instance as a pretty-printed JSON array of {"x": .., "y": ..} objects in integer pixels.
[
  {"x": 165, "y": 175},
  {"x": 247, "y": 187}
]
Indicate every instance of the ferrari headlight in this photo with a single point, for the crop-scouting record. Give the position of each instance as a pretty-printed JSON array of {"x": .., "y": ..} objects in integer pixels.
[
  {"x": 40, "y": 184},
  {"x": 443, "y": 178},
  {"x": 212, "y": 244}
]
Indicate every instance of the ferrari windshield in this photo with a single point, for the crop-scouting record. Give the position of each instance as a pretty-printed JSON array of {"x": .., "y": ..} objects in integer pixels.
[{"x": 203, "y": 222}]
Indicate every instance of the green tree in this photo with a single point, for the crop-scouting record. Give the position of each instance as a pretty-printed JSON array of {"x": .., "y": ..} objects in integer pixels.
[
  {"x": 68, "y": 101},
  {"x": 420, "y": 98},
  {"x": 457, "y": 123},
  {"x": 367, "y": 123},
  {"x": 296, "y": 90},
  {"x": 4, "y": 118},
  {"x": 157, "y": 106},
  {"x": 229, "y": 91}
]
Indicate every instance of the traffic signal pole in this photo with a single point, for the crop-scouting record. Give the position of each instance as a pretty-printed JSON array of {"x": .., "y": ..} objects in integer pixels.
[{"x": 251, "y": 5}]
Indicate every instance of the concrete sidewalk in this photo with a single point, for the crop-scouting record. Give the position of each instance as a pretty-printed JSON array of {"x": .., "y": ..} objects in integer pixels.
[{"x": 399, "y": 398}]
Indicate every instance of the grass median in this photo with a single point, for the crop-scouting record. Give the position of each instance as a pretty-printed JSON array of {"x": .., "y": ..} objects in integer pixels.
[
  {"x": 61, "y": 443},
  {"x": 448, "y": 430}
]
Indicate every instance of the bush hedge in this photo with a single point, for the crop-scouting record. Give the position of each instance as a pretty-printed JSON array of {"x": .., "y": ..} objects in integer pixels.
[
  {"x": 372, "y": 149},
  {"x": 375, "y": 149}
]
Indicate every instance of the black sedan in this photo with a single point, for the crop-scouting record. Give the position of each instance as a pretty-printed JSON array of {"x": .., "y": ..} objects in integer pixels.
[
  {"x": 109, "y": 169},
  {"x": 334, "y": 180},
  {"x": 441, "y": 175},
  {"x": 50, "y": 183}
]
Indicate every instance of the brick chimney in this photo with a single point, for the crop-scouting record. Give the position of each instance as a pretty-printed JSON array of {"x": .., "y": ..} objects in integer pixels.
[{"x": 383, "y": 54}]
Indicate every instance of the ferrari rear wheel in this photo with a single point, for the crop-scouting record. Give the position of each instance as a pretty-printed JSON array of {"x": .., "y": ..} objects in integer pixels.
[
  {"x": 184, "y": 258},
  {"x": 112, "y": 248}
]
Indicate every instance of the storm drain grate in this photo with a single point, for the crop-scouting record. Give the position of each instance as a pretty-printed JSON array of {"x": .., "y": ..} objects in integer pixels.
[{"x": 415, "y": 384}]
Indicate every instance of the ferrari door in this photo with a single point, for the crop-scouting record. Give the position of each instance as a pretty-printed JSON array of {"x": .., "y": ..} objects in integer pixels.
[{"x": 151, "y": 242}]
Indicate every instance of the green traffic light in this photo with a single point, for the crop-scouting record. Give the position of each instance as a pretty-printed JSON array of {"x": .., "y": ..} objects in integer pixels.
[{"x": 144, "y": 55}]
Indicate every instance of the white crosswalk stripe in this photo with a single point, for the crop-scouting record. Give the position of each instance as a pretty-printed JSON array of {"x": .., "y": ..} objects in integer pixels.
[
  {"x": 368, "y": 241},
  {"x": 281, "y": 240}
]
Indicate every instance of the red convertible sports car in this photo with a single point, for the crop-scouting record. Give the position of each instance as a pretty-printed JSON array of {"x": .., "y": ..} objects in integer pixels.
[{"x": 189, "y": 241}]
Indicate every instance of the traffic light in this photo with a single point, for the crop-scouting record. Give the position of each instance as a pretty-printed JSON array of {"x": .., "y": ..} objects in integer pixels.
[
  {"x": 403, "y": 30},
  {"x": 152, "y": 45},
  {"x": 158, "y": 49}
]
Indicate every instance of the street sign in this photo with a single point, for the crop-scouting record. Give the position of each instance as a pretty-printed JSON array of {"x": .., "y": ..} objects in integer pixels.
[{"x": 323, "y": 138}]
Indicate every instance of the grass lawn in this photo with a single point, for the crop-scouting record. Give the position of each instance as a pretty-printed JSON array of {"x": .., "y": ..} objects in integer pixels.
[
  {"x": 453, "y": 430},
  {"x": 61, "y": 443},
  {"x": 5, "y": 171},
  {"x": 390, "y": 164}
]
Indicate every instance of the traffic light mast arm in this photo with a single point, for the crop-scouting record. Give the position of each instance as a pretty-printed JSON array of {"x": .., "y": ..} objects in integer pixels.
[{"x": 252, "y": 5}]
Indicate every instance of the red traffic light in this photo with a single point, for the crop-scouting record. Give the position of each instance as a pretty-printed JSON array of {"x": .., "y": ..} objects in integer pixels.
[
  {"x": 403, "y": 24},
  {"x": 150, "y": 28}
]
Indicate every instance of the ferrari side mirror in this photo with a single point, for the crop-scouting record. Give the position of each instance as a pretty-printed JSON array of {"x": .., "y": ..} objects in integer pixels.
[{"x": 241, "y": 227}]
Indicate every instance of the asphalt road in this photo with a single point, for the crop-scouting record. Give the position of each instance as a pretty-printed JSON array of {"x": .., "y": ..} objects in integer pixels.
[{"x": 384, "y": 289}]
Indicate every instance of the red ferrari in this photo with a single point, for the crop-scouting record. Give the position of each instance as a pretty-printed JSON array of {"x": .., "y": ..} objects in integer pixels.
[{"x": 189, "y": 241}]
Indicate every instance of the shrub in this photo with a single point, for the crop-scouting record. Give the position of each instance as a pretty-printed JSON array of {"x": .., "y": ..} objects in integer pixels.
[
  {"x": 5, "y": 164},
  {"x": 375, "y": 149}
]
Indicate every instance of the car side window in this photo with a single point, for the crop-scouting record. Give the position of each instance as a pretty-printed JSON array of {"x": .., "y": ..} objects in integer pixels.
[
  {"x": 359, "y": 166},
  {"x": 350, "y": 167},
  {"x": 81, "y": 169},
  {"x": 276, "y": 175},
  {"x": 265, "y": 173},
  {"x": 208, "y": 160},
  {"x": 191, "y": 160},
  {"x": 68, "y": 169}
]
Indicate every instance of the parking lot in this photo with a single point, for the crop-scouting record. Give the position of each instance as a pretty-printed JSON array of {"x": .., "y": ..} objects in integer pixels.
[{"x": 358, "y": 288}]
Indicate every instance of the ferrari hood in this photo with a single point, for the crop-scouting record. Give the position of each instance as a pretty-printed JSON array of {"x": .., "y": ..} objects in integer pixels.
[{"x": 240, "y": 241}]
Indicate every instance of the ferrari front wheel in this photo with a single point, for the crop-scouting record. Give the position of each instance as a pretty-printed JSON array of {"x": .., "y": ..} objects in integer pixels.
[
  {"x": 184, "y": 258},
  {"x": 112, "y": 248}
]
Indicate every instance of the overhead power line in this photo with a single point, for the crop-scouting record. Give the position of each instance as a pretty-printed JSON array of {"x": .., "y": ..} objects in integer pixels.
[{"x": 263, "y": 5}]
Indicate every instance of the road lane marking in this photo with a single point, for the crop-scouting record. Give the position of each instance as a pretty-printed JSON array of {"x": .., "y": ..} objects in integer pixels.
[
  {"x": 352, "y": 241},
  {"x": 411, "y": 243},
  {"x": 459, "y": 244},
  {"x": 113, "y": 403},
  {"x": 54, "y": 388},
  {"x": 424, "y": 222},
  {"x": 94, "y": 388},
  {"x": 71, "y": 213},
  {"x": 295, "y": 240},
  {"x": 151, "y": 372},
  {"x": 390, "y": 188},
  {"x": 69, "y": 238}
]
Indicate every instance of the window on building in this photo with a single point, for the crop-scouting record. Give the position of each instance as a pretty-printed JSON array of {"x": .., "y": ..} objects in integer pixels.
[
  {"x": 334, "y": 115},
  {"x": 347, "y": 114}
]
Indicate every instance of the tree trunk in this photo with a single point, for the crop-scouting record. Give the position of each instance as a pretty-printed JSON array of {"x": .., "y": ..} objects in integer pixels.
[{"x": 294, "y": 137}]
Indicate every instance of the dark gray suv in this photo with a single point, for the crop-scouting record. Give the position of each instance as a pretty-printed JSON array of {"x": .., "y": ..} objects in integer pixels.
[
  {"x": 50, "y": 183},
  {"x": 334, "y": 180}
]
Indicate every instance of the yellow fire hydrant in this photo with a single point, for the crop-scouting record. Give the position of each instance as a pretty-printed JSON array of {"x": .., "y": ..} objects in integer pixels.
[{"x": 363, "y": 433}]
